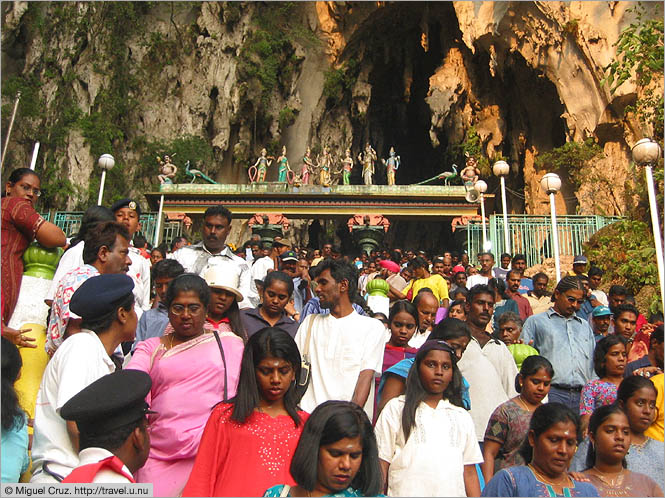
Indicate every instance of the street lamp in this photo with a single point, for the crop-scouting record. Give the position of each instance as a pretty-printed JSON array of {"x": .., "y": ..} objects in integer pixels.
[
  {"x": 646, "y": 152},
  {"x": 481, "y": 187},
  {"x": 106, "y": 162},
  {"x": 551, "y": 184},
  {"x": 501, "y": 169}
]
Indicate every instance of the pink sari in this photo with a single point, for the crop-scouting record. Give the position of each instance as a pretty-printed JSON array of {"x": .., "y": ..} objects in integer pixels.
[{"x": 187, "y": 382}]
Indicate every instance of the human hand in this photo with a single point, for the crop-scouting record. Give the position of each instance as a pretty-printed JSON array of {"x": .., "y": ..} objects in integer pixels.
[
  {"x": 579, "y": 476},
  {"x": 647, "y": 371},
  {"x": 18, "y": 337}
]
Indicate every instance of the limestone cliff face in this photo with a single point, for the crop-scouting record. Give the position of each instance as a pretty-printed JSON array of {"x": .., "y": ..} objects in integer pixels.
[{"x": 523, "y": 76}]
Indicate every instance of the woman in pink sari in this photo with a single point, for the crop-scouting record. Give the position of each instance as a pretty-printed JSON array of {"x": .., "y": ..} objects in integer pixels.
[{"x": 192, "y": 369}]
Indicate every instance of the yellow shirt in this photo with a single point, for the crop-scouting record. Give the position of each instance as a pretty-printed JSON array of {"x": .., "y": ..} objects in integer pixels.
[
  {"x": 655, "y": 430},
  {"x": 435, "y": 282}
]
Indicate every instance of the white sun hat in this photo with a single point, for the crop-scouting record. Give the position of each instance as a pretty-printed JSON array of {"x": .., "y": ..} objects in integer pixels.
[{"x": 223, "y": 275}]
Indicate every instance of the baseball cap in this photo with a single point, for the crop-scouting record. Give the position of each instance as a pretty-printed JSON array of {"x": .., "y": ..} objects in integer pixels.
[{"x": 601, "y": 311}]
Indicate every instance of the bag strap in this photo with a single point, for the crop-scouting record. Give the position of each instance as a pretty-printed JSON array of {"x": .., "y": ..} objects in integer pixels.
[
  {"x": 221, "y": 350},
  {"x": 309, "y": 337},
  {"x": 285, "y": 490}
]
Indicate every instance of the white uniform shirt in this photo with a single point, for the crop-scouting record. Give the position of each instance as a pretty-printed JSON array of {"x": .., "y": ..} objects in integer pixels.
[
  {"x": 77, "y": 363},
  {"x": 196, "y": 257},
  {"x": 259, "y": 271},
  {"x": 139, "y": 271},
  {"x": 431, "y": 462},
  {"x": 94, "y": 455},
  {"x": 339, "y": 349}
]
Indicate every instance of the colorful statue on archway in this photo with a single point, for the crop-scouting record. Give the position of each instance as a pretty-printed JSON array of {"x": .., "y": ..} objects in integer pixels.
[
  {"x": 367, "y": 159},
  {"x": 347, "y": 166},
  {"x": 392, "y": 165}
]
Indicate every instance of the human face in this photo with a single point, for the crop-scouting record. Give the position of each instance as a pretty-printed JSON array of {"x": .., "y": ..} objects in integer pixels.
[
  {"x": 129, "y": 218},
  {"x": 220, "y": 302},
  {"x": 215, "y": 230},
  {"x": 410, "y": 255},
  {"x": 116, "y": 259},
  {"x": 513, "y": 280},
  {"x": 460, "y": 279},
  {"x": 402, "y": 329},
  {"x": 641, "y": 409},
  {"x": 447, "y": 266},
  {"x": 131, "y": 321},
  {"x": 418, "y": 272},
  {"x": 290, "y": 268},
  {"x": 624, "y": 324},
  {"x": 371, "y": 268},
  {"x": 328, "y": 290},
  {"x": 187, "y": 314},
  {"x": 615, "y": 300},
  {"x": 275, "y": 298},
  {"x": 156, "y": 256},
  {"x": 554, "y": 448},
  {"x": 180, "y": 243},
  {"x": 317, "y": 253},
  {"x": 540, "y": 287},
  {"x": 406, "y": 274},
  {"x": 161, "y": 285},
  {"x": 615, "y": 361},
  {"x": 568, "y": 302},
  {"x": 509, "y": 332},
  {"x": 273, "y": 378},
  {"x": 472, "y": 270},
  {"x": 536, "y": 386},
  {"x": 427, "y": 307},
  {"x": 339, "y": 462},
  {"x": 505, "y": 261},
  {"x": 519, "y": 265},
  {"x": 579, "y": 268},
  {"x": 27, "y": 187},
  {"x": 256, "y": 249},
  {"x": 479, "y": 311},
  {"x": 594, "y": 281},
  {"x": 486, "y": 263},
  {"x": 465, "y": 259},
  {"x": 459, "y": 345},
  {"x": 438, "y": 268},
  {"x": 327, "y": 250},
  {"x": 612, "y": 438},
  {"x": 436, "y": 371},
  {"x": 302, "y": 267},
  {"x": 457, "y": 311},
  {"x": 601, "y": 324}
]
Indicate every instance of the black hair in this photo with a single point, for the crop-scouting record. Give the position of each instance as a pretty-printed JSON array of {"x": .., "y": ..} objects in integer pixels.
[
  {"x": 218, "y": 210},
  {"x": 594, "y": 270},
  {"x": 540, "y": 275},
  {"x": 510, "y": 316},
  {"x": 618, "y": 290},
  {"x": 406, "y": 306},
  {"x": 185, "y": 283},
  {"x": 514, "y": 272},
  {"x": 113, "y": 439},
  {"x": 19, "y": 173},
  {"x": 630, "y": 385},
  {"x": 161, "y": 249},
  {"x": 175, "y": 241},
  {"x": 418, "y": 262},
  {"x": 486, "y": 253},
  {"x": 530, "y": 366},
  {"x": 625, "y": 308},
  {"x": 656, "y": 335},
  {"x": 505, "y": 255},
  {"x": 139, "y": 241},
  {"x": 544, "y": 417},
  {"x": 656, "y": 317},
  {"x": 13, "y": 415},
  {"x": 457, "y": 302},
  {"x": 599, "y": 416},
  {"x": 450, "y": 328},
  {"x": 102, "y": 234},
  {"x": 460, "y": 290},
  {"x": 518, "y": 257},
  {"x": 438, "y": 260},
  {"x": 339, "y": 270},
  {"x": 267, "y": 342},
  {"x": 328, "y": 423},
  {"x": 602, "y": 347},
  {"x": 568, "y": 283},
  {"x": 233, "y": 314},
  {"x": 102, "y": 323},
  {"x": 479, "y": 289},
  {"x": 496, "y": 285},
  {"x": 168, "y": 268},
  {"x": 278, "y": 276},
  {"x": 415, "y": 393},
  {"x": 92, "y": 216}
]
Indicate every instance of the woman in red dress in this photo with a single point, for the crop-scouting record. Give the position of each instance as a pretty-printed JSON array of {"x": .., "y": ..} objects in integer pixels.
[{"x": 21, "y": 224}]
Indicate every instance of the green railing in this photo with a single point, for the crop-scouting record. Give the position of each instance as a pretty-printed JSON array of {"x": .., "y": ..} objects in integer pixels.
[
  {"x": 531, "y": 235},
  {"x": 70, "y": 223}
]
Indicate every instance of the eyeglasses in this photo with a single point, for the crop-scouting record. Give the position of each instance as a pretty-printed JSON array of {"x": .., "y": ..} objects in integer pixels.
[
  {"x": 179, "y": 309},
  {"x": 27, "y": 189}
]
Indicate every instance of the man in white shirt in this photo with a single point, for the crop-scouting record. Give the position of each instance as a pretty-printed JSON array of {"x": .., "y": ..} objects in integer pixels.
[
  {"x": 486, "y": 260},
  {"x": 268, "y": 263},
  {"x": 345, "y": 348},
  {"x": 427, "y": 304},
  {"x": 195, "y": 258},
  {"x": 106, "y": 305}
]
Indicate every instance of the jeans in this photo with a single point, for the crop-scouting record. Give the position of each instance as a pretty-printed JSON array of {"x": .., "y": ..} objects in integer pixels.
[{"x": 569, "y": 398}]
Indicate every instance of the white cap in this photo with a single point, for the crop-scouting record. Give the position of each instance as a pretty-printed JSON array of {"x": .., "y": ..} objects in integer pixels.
[{"x": 223, "y": 276}]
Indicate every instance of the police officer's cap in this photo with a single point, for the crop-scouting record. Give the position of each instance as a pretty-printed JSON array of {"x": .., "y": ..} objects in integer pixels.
[
  {"x": 100, "y": 295},
  {"x": 126, "y": 203},
  {"x": 110, "y": 402}
]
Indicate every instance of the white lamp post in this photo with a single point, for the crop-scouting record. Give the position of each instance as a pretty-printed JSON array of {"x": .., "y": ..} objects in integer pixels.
[
  {"x": 501, "y": 169},
  {"x": 645, "y": 153},
  {"x": 551, "y": 184},
  {"x": 481, "y": 187},
  {"x": 106, "y": 162}
]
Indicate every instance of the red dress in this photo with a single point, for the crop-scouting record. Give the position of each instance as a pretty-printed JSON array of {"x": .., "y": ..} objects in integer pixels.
[
  {"x": 20, "y": 223},
  {"x": 243, "y": 459}
]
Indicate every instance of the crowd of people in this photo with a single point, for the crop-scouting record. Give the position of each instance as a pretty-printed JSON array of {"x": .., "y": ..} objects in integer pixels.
[{"x": 272, "y": 370}]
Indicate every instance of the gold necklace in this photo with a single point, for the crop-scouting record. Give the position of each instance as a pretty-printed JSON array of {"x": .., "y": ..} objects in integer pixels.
[
  {"x": 613, "y": 483},
  {"x": 544, "y": 479},
  {"x": 523, "y": 403}
]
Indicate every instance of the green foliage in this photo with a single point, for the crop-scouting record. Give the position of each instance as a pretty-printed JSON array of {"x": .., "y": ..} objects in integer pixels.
[
  {"x": 640, "y": 51},
  {"x": 338, "y": 82},
  {"x": 473, "y": 146},
  {"x": 572, "y": 27},
  {"x": 571, "y": 157},
  {"x": 625, "y": 250},
  {"x": 287, "y": 117}
]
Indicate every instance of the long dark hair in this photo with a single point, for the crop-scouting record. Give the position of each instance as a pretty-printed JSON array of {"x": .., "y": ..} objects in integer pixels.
[
  {"x": 415, "y": 393},
  {"x": 328, "y": 423},
  {"x": 267, "y": 342},
  {"x": 406, "y": 306},
  {"x": 602, "y": 348},
  {"x": 544, "y": 417},
  {"x": 12, "y": 413},
  {"x": 599, "y": 416}
]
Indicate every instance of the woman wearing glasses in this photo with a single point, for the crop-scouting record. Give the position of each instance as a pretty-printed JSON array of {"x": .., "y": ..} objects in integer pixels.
[
  {"x": 21, "y": 224},
  {"x": 192, "y": 369}
]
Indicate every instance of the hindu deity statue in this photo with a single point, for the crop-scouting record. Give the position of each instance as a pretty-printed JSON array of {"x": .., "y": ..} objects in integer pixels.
[
  {"x": 307, "y": 167},
  {"x": 262, "y": 164},
  {"x": 367, "y": 159},
  {"x": 283, "y": 164},
  {"x": 347, "y": 166},
  {"x": 392, "y": 164}
]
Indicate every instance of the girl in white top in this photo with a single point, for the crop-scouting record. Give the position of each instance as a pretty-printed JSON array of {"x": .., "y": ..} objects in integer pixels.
[{"x": 427, "y": 442}]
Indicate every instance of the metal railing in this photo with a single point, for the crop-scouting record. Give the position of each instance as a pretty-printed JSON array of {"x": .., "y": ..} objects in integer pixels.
[
  {"x": 70, "y": 223},
  {"x": 530, "y": 235}
]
